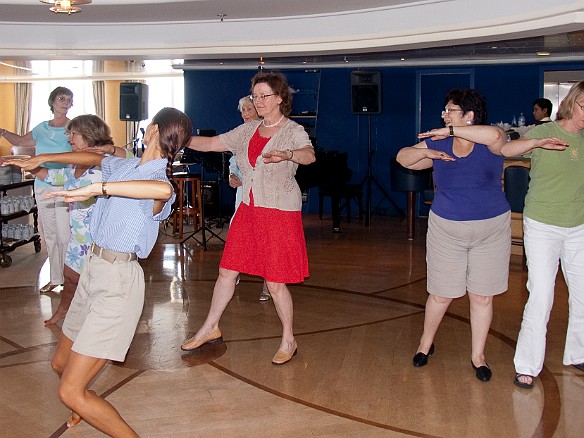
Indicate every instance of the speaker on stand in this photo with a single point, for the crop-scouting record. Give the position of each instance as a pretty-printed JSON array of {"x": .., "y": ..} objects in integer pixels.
[
  {"x": 366, "y": 100},
  {"x": 134, "y": 107}
]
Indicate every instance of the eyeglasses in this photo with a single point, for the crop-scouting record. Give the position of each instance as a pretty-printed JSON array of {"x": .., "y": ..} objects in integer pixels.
[
  {"x": 580, "y": 105},
  {"x": 260, "y": 97},
  {"x": 64, "y": 99},
  {"x": 70, "y": 133},
  {"x": 450, "y": 110}
]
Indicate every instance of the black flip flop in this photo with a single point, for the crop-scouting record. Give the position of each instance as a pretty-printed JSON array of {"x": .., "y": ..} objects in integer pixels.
[{"x": 519, "y": 383}]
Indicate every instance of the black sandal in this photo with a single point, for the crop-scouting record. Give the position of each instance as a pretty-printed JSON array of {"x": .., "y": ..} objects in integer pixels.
[{"x": 521, "y": 384}]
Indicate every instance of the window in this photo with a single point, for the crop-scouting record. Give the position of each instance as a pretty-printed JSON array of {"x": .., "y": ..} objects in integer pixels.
[
  {"x": 58, "y": 73},
  {"x": 165, "y": 87}
]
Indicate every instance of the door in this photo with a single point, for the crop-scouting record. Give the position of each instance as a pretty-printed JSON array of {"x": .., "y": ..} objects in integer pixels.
[{"x": 432, "y": 87}]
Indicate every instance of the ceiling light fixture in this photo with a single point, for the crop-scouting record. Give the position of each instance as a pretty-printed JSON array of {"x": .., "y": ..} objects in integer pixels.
[
  {"x": 542, "y": 53},
  {"x": 65, "y": 6}
]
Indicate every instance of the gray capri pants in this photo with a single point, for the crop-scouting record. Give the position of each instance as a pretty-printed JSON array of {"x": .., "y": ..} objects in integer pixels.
[{"x": 468, "y": 256}]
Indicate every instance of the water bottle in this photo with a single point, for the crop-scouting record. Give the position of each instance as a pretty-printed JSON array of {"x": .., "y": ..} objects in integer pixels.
[
  {"x": 521, "y": 120},
  {"x": 514, "y": 121}
]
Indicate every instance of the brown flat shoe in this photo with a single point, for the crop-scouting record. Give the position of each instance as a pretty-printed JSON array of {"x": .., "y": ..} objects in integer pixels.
[
  {"x": 212, "y": 338},
  {"x": 48, "y": 287},
  {"x": 281, "y": 356}
]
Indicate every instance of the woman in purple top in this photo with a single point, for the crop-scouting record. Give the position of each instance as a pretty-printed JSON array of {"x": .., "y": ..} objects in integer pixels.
[{"x": 469, "y": 233}]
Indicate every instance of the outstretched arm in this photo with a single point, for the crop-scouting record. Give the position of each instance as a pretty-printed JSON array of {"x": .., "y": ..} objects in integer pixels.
[
  {"x": 525, "y": 145},
  {"x": 491, "y": 136},
  {"x": 419, "y": 156},
  {"x": 207, "y": 144},
  {"x": 18, "y": 140},
  {"x": 109, "y": 149},
  {"x": 83, "y": 158},
  {"x": 157, "y": 190},
  {"x": 160, "y": 191}
]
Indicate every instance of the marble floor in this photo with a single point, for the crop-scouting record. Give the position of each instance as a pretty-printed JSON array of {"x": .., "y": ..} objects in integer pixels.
[{"x": 357, "y": 321}]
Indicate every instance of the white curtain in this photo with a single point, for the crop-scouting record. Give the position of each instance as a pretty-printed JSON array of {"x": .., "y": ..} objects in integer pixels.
[
  {"x": 23, "y": 102},
  {"x": 99, "y": 91}
]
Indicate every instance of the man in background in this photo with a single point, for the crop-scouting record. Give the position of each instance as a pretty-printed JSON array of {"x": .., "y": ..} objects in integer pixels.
[{"x": 542, "y": 110}]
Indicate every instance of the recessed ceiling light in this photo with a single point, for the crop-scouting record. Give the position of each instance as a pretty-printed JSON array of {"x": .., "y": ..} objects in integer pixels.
[
  {"x": 402, "y": 59},
  {"x": 541, "y": 53}
]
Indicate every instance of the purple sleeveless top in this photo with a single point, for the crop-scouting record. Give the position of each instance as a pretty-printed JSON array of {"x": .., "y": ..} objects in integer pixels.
[{"x": 469, "y": 188}]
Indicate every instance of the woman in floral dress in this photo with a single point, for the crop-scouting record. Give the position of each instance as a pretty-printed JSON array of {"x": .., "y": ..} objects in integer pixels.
[{"x": 87, "y": 131}]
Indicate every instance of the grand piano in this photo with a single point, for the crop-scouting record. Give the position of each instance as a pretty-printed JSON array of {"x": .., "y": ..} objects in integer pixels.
[{"x": 331, "y": 174}]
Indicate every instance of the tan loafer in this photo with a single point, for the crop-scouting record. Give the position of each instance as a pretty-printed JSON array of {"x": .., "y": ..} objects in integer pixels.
[
  {"x": 212, "y": 338},
  {"x": 48, "y": 287},
  {"x": 282, "y": 356}
]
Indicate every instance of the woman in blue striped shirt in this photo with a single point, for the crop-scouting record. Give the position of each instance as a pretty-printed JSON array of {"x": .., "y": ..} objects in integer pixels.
[{"x": 134, "y": 196}]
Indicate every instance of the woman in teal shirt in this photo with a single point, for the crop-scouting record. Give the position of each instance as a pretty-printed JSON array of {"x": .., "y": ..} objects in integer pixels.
[{"x": 49, "y": 137}]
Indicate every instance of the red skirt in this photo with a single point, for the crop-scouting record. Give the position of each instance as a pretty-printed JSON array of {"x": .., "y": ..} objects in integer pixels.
[{"x": 268, "y": 243}]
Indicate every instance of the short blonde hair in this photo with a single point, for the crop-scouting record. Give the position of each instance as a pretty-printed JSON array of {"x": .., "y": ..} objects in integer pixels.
[{"x": 565, "y": 110}]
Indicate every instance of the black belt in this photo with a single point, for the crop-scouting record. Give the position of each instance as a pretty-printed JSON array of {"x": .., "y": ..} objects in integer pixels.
[{"x": 111, "y": 256}]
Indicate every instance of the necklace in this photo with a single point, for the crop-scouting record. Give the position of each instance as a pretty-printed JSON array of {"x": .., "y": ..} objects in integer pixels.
[{"x": 273, "y": 124}]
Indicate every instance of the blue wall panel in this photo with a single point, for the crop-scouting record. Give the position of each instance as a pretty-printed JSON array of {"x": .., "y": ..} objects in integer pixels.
[{"x": 211, "y": 101}]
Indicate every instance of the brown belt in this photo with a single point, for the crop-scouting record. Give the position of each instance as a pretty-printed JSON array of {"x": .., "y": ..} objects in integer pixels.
[{"x": 111, "y": 256}]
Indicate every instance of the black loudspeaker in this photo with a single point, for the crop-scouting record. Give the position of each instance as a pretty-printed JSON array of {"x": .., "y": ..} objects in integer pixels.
[
  {"x": 366, "y": 92},
  {"x": 133, "y": 101}
]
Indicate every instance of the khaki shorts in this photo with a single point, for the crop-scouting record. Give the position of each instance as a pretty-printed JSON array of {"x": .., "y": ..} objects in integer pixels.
[
  {"x": 468, "y": 256},
  {"x": 106, "y": 308}
]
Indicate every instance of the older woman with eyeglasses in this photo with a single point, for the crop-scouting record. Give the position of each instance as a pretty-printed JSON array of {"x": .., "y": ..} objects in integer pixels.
[
  {"x": 266, "y": 237},
  {"x": 49, "y": 137}
]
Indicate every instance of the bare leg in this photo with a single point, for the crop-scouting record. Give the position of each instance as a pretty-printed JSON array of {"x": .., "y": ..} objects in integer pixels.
[
  {"x": 78, "y": 374},
  {"x": 58, "y": 363},
  {"x": 222, "y": 294},
  {"x": 69, "y": 287},
  {"x": 284, "y": 307},
  {"x": 436, "y": 307},
  {"x": 481, "y": 314}
]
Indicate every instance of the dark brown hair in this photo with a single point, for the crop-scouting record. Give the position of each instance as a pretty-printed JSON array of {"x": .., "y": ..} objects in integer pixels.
[
  {"x": 174, "y": 133},
  {"x": 279, "y": 85}
]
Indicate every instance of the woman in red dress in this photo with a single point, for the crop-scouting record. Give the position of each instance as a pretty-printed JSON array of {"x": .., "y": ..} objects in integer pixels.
[{"x": 266, "y": 237}]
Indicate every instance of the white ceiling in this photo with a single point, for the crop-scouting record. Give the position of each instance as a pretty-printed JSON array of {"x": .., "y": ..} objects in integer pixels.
[{"x": 321, "y": 32}]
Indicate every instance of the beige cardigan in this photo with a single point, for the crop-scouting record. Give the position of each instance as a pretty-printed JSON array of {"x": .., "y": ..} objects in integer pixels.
[{"x": 273, "y": 184}]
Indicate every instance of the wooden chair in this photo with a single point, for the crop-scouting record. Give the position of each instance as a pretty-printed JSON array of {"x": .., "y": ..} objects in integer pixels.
[{"x": 187, "y": 204}]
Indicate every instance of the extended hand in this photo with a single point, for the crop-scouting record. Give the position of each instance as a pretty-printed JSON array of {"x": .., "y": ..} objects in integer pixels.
[
  {"x": 80, "y": 194},
  {"x": 275, "y": 156},
  {"x": 26, "y": 164},
  {"x": 552, "y": 143},
  {"x": 433, "y": 154},
  {"x": 435, "y": 134}
]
